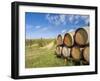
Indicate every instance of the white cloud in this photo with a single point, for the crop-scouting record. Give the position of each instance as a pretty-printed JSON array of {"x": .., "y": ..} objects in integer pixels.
[
  {"x": 76, "y": 22},
  {"x": 71, "y": 18},
  {"x": 64, "y": 19},
  {"x": 29, "y": 27},
  {"x": 77, "y": 16},
  {"x": 49, "y": 18},
  {"x": 56, "y": 19},
  {"x": 60, "y": 19},
  {"x": 64, "y": 31},
  {"x": 44, "y": 29},
  {"x": 37, "y": 27},
  {"x": 86, "y": 19},
  {"x": 71, "y": 30}
]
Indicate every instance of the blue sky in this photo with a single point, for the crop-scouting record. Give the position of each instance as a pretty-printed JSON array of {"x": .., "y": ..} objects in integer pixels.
[{"x": 48, "y": 25}]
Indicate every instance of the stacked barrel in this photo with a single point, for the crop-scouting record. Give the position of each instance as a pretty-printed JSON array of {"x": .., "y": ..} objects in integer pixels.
[{"x": 74, "y": 46}]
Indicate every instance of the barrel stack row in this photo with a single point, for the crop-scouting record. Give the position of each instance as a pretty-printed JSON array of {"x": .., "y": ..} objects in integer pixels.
[{"x": 74, "y": 45}]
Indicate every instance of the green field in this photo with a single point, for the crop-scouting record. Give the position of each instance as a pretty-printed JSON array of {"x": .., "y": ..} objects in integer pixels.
[{"x": 41, "y": 53}]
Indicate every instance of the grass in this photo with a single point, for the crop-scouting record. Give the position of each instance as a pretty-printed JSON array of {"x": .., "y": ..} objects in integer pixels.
[{"x": 38, "y": 56}]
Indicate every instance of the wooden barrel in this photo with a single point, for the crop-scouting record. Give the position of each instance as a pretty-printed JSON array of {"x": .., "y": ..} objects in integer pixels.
[
  {"x": 88, "y": 32},
  {"x": 81, "y": 36},
  {"x": 75, "y": 53},
  {"x": 86, "y": 52},
  {"x": 59, "y": 40},
  {"x": 68, "y": 39},
  {"x": 58, "y": 50},
  {"x": 65, "y": 52}
]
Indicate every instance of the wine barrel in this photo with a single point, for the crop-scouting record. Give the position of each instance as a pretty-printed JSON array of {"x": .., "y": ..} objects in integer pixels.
[
  {"x": 58, "y": 50},
  {"x": 81, "y": 36},
  {"x": 86, "y": 52},
  {"x": 59, "y": 40},
  {"x": 68, "y": 39},
  {"x": 88, "y": 32},
  {"x": 65, "y": 52},
  {"x": 75, "y": 53}
]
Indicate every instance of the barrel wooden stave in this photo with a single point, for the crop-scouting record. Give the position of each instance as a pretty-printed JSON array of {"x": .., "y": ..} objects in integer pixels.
[
  {"x": 65, "y": 52},
  {"x": 59, "y": 40},
  {"x": 76, "y": 53},
  {"x": 68, "y": 39},
  {"x": 86, "y": 52},
  {"x": 81, "y": 36},
  {"x": 58, "y": 50}
]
